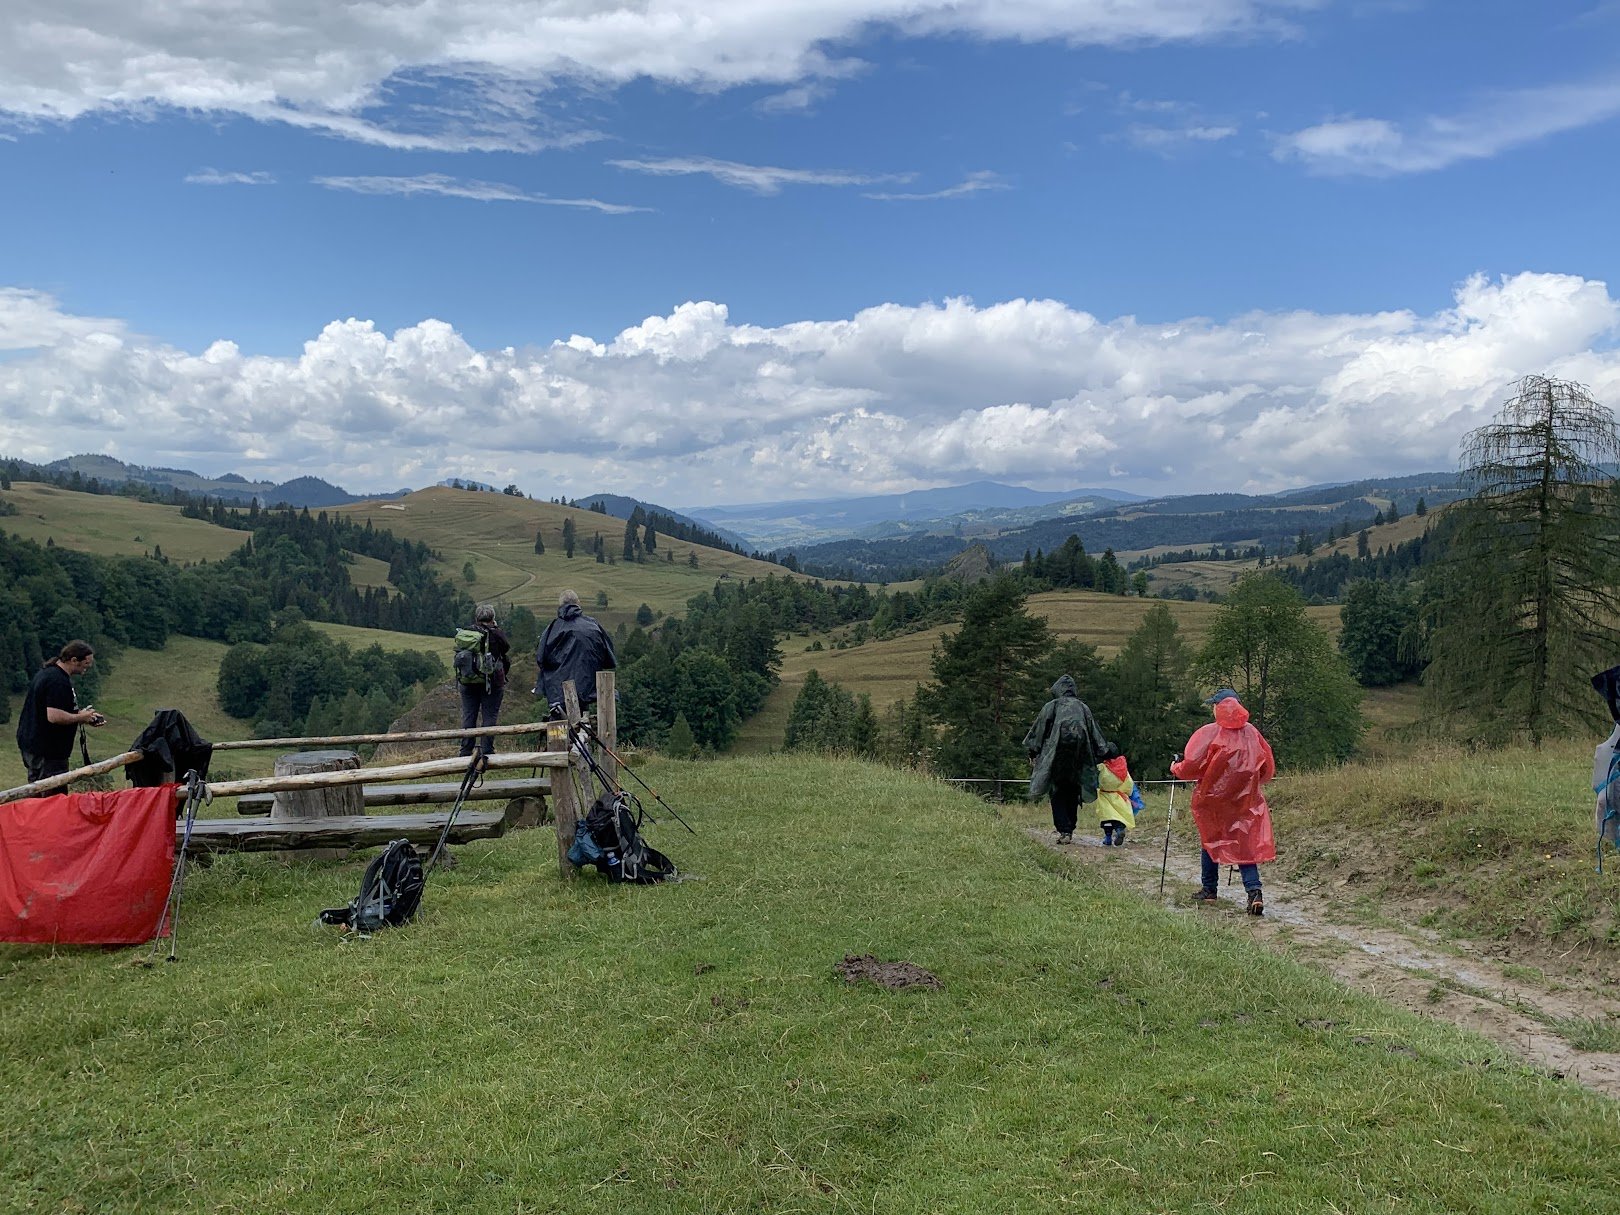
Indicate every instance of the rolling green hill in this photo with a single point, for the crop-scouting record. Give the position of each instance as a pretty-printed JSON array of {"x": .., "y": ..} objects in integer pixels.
[
  {"x": 495, "y": 532},
  {"x": 111, "y": 525}
]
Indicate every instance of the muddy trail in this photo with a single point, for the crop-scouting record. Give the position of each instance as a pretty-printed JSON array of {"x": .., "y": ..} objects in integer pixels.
[{"x": 1412, "y": 967}]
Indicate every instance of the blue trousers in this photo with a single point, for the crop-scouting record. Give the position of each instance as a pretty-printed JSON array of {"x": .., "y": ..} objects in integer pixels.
[{"x": 1212, "y": 874}]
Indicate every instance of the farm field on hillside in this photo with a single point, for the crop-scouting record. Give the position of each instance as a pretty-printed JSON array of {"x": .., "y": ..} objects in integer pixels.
[
  {"x": 495, "y": 532},
  {"x": 113, "y": 526},
  {"x": 1120, "y": 1069},
  {"x": 890, "y": 670}
]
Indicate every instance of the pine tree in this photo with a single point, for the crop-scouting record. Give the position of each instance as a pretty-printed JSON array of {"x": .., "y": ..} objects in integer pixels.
[
  {"x": 1420, "y": 509},
  {"x": 539, "y": 544},
  {"x": 568, "y": 537},
  {"x": 986, "y": 690},
  {"x": 649, "y": 538},
  {"x": 1393, "y": 514},
  {"x": 1152, "y": 703},
  {"x": 1523, "y": 610},
  {"x": 680, "y": 744},
  {"x": 1362, "y": 547}
]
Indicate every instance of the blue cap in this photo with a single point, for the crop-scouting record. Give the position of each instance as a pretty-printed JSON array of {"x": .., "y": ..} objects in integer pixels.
[{"x": 1223, "y": 694}]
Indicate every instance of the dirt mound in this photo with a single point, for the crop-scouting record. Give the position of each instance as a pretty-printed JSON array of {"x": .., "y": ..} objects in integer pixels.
[{"x": 895, "y": 976}]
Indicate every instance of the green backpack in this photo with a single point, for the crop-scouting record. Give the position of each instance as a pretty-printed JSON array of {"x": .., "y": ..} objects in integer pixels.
[{"x": 472, "y": 662}]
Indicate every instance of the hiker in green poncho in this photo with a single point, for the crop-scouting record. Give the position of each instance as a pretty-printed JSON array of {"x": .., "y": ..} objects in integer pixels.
[{"x": 1065, "y": 746}]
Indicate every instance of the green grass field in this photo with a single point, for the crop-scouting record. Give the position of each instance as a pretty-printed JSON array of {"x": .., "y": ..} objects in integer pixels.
[
  {"x": 113, "y": 526},
  {"x": 539, "y": 1047},
  {"x": 495, "y": 532}
]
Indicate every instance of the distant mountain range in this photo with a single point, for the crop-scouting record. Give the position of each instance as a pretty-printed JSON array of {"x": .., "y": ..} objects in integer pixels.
[
  {"x": 621, "y": 507},
  {"x": 299, "y": 492},
  {"x": 770, "y": 525}
]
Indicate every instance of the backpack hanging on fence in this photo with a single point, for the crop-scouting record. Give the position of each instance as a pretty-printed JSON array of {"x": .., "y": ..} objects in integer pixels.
[
  {"x": 472, "y": 661},
  {"x": 390, "y": 892},
  {"x": 610, "y": 838}
]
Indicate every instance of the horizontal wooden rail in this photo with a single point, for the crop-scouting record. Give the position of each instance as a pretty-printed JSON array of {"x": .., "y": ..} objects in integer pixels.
[
  {"x": 361, "y": 776},
  {"x": 52, "y": 783},
  {"x": 332, "y": 740}
]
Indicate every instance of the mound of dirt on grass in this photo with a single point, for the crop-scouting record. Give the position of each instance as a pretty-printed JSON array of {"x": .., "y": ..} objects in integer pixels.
[{"x": 894, "y": 976}]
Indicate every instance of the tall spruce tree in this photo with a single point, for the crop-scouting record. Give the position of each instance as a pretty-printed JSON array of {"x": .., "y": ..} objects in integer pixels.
[
  {"x": 1525, "y": 606},
  {"x": 985, "y": 691},
  {"x": 1152, "y": 704}
]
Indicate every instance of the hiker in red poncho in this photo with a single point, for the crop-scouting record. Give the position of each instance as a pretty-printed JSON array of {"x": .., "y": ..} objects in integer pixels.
[{"x": 1230, "y": 761}]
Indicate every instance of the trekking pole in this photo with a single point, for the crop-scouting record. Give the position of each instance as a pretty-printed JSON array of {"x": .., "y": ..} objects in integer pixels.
[
  {"x": 196, "y": 793},
  {"x": 1169, "y": 817},
  {"x": 474, "y": 770},
  {"x": 626, "y": 767}
]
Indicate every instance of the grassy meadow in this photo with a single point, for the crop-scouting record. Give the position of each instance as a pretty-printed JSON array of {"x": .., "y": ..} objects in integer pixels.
[
  {"x": 495, "y": 532},
  {"x": 540, "y": 1047},
  {"x": 113, "y": 526}
]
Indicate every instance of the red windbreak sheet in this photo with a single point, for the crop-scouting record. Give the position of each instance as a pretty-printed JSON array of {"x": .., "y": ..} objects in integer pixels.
[{"x": 86, "y": 868}]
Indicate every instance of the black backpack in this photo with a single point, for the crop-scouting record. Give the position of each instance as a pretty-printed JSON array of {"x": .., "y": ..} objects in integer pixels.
[
  {"x": 390, "y": 891},
  {"x": 625, "y": 855}
]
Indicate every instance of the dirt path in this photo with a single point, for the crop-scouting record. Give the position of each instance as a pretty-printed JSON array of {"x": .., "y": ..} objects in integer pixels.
[{"x": 1413, "y": 968}]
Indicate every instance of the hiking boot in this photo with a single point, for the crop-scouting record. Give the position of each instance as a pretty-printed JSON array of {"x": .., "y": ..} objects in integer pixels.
[
  {"x": 1205, "y": 895},
  {"x": 1119, "y": 838},
  {"x": 1257, "y": 904},
  {"x": 1065, "y": 837}
]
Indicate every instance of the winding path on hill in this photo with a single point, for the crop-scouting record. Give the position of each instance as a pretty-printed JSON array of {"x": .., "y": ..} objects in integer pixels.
[{"x": 1416, "y": 969}]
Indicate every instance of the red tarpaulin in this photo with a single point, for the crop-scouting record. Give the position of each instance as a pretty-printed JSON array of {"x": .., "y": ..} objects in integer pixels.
[{"x": 86, "y": 868}]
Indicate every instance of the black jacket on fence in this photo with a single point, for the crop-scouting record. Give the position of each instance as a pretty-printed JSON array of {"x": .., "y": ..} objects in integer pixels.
[
  {"x": 573, "y": 647},
  {"x": 172, "y": 747}
]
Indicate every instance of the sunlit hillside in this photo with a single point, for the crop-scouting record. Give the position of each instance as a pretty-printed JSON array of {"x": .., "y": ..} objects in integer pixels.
[
  {"x": 496, "y": 533},
  {"x": 111, "y": 525}
]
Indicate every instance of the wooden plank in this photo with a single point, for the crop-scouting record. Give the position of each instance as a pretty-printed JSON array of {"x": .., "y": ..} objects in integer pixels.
[
  {"x": 535, "y": 727},
  {"x": 422, "y": 795},
  {"x": 400, "y": 772},
  {"x": 362, "y": 831}
]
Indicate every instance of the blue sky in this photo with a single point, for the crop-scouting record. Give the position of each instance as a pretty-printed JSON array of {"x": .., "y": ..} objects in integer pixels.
[{"x": 1406, "y": 203}]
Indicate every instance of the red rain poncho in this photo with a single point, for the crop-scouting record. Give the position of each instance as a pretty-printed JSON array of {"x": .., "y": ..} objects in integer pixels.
[
  {"x": 86, "y": 868},
  {"x": 1230, "y": 761}
]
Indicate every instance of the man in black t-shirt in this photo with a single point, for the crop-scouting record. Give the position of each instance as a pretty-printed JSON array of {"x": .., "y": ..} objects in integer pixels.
[{"x": 51, "y": 715}]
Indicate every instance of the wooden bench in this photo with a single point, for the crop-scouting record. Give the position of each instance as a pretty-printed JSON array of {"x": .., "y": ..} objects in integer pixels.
[
  {"x": 350, "y": 831},
  {"x": 439, "y": 794}
]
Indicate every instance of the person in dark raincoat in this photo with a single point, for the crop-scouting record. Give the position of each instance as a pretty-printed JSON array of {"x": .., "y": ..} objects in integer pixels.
[
  {"x": 574, "y": 646},
  {"x": 1230, "y": 760},
  {"x": 1065, "y": 746}
]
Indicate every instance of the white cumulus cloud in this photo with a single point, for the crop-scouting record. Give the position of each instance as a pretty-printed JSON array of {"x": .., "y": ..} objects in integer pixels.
[{"x": 694, "y": 406}]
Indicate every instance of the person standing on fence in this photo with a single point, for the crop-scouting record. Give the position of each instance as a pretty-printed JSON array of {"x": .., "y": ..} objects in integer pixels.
[
  {"x": 1230, "y": 760},
  {"x": 574, "y": 646},
  {"x": 1065, "y": 745},
  {"x": 484, "y": 684},
  {"x": 51, "y": 715}
]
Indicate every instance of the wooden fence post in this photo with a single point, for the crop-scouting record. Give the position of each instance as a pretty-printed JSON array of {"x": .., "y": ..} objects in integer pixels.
[
  {"x": 607, "y": 722},
  {"x": 564, "y": 791}
]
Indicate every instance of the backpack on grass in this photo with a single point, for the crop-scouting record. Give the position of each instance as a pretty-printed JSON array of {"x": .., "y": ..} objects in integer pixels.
[
  {"x": 610, "y": 838},
  {"x": 472, "y": 661},
  {"x": 390, "y": 892}
]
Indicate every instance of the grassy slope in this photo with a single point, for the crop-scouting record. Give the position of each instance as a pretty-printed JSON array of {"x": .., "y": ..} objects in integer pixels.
[
  {"x": 889, "y": 670},
  {"x": 1218, "y": 575},
  {"x": 496, "y": 533},
  {"x": 113, "y": 526},
  {"x": 536, "y": 1047}
]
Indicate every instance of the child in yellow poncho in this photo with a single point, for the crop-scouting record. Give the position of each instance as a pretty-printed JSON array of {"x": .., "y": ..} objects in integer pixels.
[{"x": 1114, "y": 810}]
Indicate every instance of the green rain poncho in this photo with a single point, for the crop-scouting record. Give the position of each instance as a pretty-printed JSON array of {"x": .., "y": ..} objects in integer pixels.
[{"x": 1065, "y": 744}]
